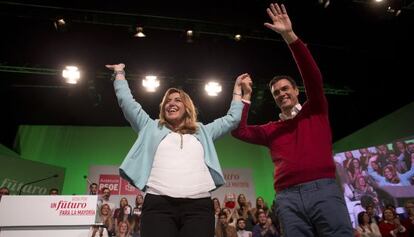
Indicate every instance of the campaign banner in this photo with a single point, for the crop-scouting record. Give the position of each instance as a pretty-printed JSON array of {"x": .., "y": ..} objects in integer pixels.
[
  {"x": 238, "y": 181},
  {"x": 108, "y": 176},
  {"x": 19, "y": 175}
]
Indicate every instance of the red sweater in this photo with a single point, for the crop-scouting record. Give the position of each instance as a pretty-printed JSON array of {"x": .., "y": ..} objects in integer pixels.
[
  {"x": 301, "y": 148},
  {"x": 386, "y": 228}
]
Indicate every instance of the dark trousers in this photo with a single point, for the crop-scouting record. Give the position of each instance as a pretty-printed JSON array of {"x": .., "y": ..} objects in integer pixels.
[
  {"x": 315, "y": 208},
  {"x": 164, "y": 216}
]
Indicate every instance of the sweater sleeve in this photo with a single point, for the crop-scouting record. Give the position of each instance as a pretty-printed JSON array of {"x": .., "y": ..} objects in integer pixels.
[
  {"x": 311, "y": 76},
  {"x": 132, "y": 110},
  {"x": 254, "y": 134}
]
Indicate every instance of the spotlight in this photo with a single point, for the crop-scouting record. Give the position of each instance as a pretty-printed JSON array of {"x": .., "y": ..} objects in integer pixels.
[
  {"x": 140, "y": 32},
  {"x": 394, "y": 7},
  {"x": 324, "y": 3},
  {"x": 237, "y": 37},
  {"x": 393, "y": 11},
  {"x": 213, "y": 88},
  {"x": 59, "y": 24},
  {"x": 71, "y": 74},
  {"x": 398, "y": 12},
  {"x": 190, "y": 35},
  {"x": 151, "y": 83}
]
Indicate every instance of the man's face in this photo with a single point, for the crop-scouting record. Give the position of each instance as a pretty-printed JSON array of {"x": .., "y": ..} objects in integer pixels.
[
  {"x": 393, "y": 157},
  {"x": 284, "y": 94},
  {"x": 106, "y": 194},
  {"x": 370, "y": 211},
  {"x": 411, "y": 148},
  {"x": 223, "y": 219},
  {"x": 410, "y": 208},
  {"x": 383, "y": 149},
  {"x": 262, "y": 218},
  {"x": 140, "y": 199},
  {"x": 241, "y": 224}
]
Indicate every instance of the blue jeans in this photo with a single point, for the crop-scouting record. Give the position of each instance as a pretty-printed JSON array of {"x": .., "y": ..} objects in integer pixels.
[{"x": 315, "y": 208}]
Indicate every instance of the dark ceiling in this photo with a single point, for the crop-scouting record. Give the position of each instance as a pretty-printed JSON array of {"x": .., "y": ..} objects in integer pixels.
[{"x": 364, "y": 51}]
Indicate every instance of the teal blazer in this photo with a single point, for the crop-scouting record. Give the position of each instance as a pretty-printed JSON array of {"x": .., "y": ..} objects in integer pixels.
[{"x": 137, "y": 164}]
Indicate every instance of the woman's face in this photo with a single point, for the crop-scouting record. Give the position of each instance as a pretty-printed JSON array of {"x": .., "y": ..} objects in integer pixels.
[
  {"x": 383, "y": 148},
  {"x": 260, "y": 202},
  {"x": 374, "y": 165},
  {"x": 388, "y": 173},
  {"x": 400, "y": 145},
  {"x": 227, "y": 211},
  {"x": 174, "y": 109},
  {"x": 123, "y": 202},
  {"x": 123, "y": 228},
  {"x": 349, "y": 155},
  {"x": 216, "y": 203},
  {"x": 361, "y": 181},
  {"x": 242, "y": 198},
  {"x": 365, "y": 218},
  {"x": 363, "y": 151},
  {"x": 355, "y": 162},
  {"x": 388, "y": 215},
  {"x": 105, "y": 210}
]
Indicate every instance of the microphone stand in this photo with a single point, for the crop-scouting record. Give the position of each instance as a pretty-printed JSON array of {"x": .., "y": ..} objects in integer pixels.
[{"x": 36, "y": 181}]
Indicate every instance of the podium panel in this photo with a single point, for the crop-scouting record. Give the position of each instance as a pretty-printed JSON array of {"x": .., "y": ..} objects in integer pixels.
[
  {"x": 81, "y": 231},
  {"x": 47, "y": 215}
]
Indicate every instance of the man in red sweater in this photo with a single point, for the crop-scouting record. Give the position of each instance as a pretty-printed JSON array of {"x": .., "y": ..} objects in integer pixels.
[{"x": 308, "y": 201}]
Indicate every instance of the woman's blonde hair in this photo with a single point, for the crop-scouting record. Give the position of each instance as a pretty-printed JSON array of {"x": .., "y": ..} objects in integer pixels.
[
  {"x": 128, "y": 232},
  {"x": 190, "y": 115},
  {"x": 395, "y": 179}
]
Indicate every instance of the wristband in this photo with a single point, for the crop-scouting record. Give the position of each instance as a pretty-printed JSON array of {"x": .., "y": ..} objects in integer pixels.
[{"x": 120, "y": 72}]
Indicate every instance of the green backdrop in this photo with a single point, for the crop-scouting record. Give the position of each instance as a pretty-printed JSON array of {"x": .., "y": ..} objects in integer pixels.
[
  {"x": 76, "y": 148},
  {"x": 399, "y": 124},
  {"x": 16, "y": 173}
]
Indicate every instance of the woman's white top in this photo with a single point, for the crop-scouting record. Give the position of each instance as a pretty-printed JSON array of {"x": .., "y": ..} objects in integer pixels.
[{"x": 179, "y": 169}]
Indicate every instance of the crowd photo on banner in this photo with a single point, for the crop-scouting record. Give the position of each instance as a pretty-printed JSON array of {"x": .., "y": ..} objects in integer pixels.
[{"x": 378, "y": 186}]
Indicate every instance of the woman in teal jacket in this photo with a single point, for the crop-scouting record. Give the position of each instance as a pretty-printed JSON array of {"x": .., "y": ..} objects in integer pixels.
[{"x": 174, "y": 160}]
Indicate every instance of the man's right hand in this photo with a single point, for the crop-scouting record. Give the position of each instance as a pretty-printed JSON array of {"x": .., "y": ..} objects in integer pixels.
[{"x": 246, "y": 84}]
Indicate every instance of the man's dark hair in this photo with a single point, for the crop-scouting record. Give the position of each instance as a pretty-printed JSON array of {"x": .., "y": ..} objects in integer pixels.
[
  {"x": 6, "y": 189},
  {"x": 222, "y": 213},
  {"x": 90, "y": 186},
  {"x": 240, "y": 219},
  {"x": 278, "y": 78},
  {"x": 367, "y": 201}
]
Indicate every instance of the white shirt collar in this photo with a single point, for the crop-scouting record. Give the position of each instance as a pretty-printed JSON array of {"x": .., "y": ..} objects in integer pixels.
[{"x": 293, "y": 112}]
